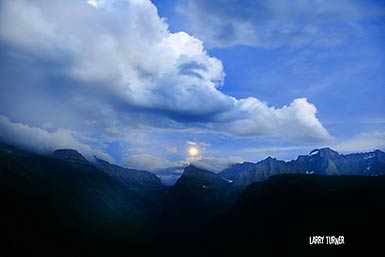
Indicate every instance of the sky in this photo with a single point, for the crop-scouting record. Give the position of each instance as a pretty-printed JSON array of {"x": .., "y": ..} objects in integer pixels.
[{"x": 140, "y": 83}]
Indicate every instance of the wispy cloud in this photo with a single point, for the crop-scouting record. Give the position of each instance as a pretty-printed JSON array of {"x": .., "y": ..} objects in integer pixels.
[
  {"x": 172, "y": 149},
  {"x": 362, "y": 142},
  {"x": 271, "y": 23},
  {"x": 274, "y": 149},
  {"x": 216, "y": 164}
]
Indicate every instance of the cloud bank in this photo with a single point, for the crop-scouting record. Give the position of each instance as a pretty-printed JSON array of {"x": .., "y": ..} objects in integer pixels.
[
  {"x": 162, "y": 166},
  {"x": 44, "y": 142},
  {"x": 105, "y": 66}
]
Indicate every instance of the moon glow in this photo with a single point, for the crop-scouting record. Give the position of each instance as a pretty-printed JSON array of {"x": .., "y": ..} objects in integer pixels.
[{"x": 193, "y": 151}]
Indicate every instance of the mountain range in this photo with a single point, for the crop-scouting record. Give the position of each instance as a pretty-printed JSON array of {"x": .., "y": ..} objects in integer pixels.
[
  {"x": 54, "y": 205},
  {"x": 61, "y": 204},
  {"x": 322, "y": 161}
]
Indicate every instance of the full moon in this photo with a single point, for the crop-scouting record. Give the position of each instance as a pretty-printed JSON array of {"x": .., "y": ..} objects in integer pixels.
[{"x": 193, "y": 151}]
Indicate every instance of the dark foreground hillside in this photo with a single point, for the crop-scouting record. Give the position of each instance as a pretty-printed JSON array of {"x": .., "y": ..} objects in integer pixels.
[
  {"x": 67, "y": 207},
  {"x": 280, "y": 214},
  {"x": 62, "y": 205}
]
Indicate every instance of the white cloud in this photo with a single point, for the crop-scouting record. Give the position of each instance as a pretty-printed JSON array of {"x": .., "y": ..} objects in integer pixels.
[
  {"x": 44, "y": 142},
  {"x": 216, "y": 164},
  {"x": 130, "y": 70},
  {"x": 94, "y": 3},
  {"x": 362, "y": 142},
  {"x": 148, "y": 162},
  {"x": 297, "y": 121}
]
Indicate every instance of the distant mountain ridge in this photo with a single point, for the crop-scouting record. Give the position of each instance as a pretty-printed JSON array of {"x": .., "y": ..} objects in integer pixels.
[
  {"x": 221, "y": 190},
  {"x": 201, "y": 197},
  {"x": 324, "y": 161}
]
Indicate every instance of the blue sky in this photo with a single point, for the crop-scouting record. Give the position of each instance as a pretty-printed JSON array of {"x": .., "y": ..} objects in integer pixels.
[{"x": 139, "y": 83}]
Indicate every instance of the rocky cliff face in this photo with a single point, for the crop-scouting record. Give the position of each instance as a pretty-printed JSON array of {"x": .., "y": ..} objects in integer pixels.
[
  {"x": 232, "y": 172},
  {"x": 261, "y": 171},
  {"x": 324, "y": 161}
]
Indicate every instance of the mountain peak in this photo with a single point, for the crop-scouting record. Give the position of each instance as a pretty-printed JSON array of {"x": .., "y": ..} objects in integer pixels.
[
  {"x": 191, "y": 170},
  {"x": 324, "y": 152},
  {"x": 69, "y": 155},
  {"x": 196, "y": 176},
  {"x": 268, "y": 160}
]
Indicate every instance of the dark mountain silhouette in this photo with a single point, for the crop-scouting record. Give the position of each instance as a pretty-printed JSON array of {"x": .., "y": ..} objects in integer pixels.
[
  {"x": 144, "y": 182},
  {"x": 277, "y": 216},
  {"x": 191, "y": 204},
  {"x": 70, "y": 156},
  {"x": 196, "y": 197},
  {"x": 203, "y": 193},
  {"x": 63, "y": 205}
]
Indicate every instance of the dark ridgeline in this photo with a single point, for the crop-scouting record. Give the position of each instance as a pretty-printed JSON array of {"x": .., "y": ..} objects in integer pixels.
[
  {"x": 63, "y": 205},
  {"x": 144, "y": 182}
]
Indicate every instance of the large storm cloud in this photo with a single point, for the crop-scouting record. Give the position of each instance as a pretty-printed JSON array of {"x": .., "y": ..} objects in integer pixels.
[{"x": 104, "y": 66}]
